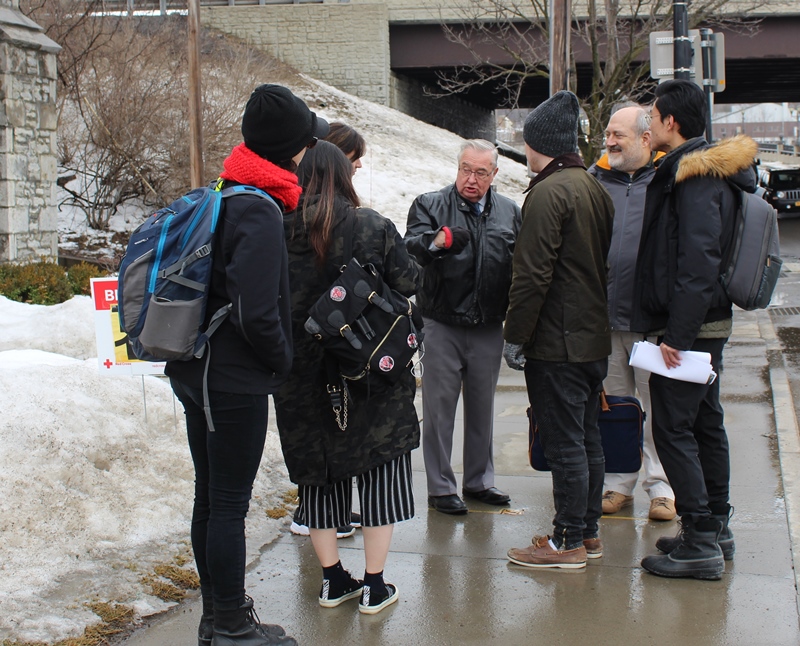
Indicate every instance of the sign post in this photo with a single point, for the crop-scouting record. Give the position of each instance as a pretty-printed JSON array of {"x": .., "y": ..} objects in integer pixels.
[{"x": 706, "y": 66}]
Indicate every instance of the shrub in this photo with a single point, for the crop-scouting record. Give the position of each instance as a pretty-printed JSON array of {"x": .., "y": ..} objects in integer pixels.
[
  {"x": 79, "y": 277},
  {"x": 39, "y": 283}
]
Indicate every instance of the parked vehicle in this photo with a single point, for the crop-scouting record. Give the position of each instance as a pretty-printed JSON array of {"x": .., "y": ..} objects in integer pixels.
[{"x": 781, "y": 184}]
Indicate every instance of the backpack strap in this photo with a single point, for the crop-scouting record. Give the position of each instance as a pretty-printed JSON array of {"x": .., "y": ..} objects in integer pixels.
[
  {"x": 337, "y": 389},
  {"x": 738, "y": 226},
  {"x": 243, "y": 189},
  {"x": 347, "y": 235}
]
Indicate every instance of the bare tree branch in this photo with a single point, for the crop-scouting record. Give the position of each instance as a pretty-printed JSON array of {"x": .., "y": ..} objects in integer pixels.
[{"x": 616, "y": 33}]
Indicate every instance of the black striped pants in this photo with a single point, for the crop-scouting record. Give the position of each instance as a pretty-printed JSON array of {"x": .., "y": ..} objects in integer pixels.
[{"x": 385, "y": 493}]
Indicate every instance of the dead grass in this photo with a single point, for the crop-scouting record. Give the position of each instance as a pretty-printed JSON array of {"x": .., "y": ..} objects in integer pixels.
[
  {"x": 116, "y": 618},
  {"x": 184, "y": 579},
  {"x": 288, "y": 502},
  {"x": 163, "y": 590}
]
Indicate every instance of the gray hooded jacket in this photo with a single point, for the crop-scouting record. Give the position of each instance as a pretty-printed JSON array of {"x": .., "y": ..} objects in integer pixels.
[{"x": 628, "y": 194}]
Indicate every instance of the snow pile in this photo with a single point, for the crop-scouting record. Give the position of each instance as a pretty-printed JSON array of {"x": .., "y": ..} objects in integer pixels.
[{"x": 93, "y": 496}]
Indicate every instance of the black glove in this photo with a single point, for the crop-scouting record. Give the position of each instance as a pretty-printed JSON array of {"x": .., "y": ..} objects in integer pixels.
[{"x": 456, "y": 238}]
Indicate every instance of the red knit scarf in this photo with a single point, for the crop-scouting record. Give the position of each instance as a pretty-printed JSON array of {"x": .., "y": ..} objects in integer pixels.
[{"x": 245, "y": 167}]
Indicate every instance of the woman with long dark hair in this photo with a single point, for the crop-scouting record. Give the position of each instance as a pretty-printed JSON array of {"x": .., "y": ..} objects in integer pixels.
[
  {"x": 349, "y": 141},
  {"x": 248, "y": 357},
  {"x": 382, "y": 426}
]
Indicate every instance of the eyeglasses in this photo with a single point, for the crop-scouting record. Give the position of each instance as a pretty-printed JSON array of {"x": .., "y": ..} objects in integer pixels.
[
  {"x": 479, "y": 174},
  {"x": 313, "y": 143}
]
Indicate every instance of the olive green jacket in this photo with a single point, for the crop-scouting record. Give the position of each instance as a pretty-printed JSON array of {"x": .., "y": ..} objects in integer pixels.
[{"x": 558, "y": 308}]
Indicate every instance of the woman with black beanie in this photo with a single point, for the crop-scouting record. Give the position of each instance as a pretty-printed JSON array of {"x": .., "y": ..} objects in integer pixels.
[{"x": 250, "y": 355}]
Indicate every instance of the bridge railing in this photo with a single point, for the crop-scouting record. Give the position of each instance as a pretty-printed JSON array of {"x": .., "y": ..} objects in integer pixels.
[
  {"x": 169, "y": 6},
  {"x": 779, "y": 149}
]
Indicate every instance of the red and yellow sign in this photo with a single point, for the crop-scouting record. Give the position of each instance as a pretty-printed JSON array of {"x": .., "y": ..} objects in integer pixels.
[{"x": 114, "y": 354}]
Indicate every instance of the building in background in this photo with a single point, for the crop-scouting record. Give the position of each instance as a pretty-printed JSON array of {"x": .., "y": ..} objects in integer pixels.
[{"x": 767, "y": 123}]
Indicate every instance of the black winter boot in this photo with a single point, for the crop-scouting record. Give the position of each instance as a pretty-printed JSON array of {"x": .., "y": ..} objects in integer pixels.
[
  {"x": 205, "y": 631},
  {"x": 697, "y": 555},
  {"x": 241, "y": 627},
  {"x": 726, "y": 544}
]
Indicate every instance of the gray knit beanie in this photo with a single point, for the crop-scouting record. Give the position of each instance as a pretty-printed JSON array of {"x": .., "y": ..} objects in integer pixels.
[{"x": 552, "y": 127}]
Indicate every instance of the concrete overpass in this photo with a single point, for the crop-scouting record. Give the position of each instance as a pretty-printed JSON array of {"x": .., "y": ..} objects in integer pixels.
[
  {"x": 764, "y": 67},
  {"x": 387, "y": 51}
]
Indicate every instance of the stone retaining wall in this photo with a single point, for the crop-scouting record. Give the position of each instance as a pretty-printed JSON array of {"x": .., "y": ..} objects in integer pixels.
[{"x": 28, "y": 169}]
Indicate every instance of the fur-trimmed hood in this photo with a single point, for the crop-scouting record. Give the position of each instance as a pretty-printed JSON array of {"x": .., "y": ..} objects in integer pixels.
[{"x": 724, "y": 160}]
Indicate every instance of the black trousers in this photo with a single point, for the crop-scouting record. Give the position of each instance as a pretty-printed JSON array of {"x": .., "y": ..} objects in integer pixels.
[
  {"x": 225, "y": 465},
  {"x": 565, "y": 398},
  {"x": 690, "y": 439}
]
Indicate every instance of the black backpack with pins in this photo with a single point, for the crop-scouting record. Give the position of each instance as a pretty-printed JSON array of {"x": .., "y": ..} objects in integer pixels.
[{"x": 369, "y": 331}]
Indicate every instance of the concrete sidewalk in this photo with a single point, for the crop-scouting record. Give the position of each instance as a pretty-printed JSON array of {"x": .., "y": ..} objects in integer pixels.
[{"x": 457, "y": 587}]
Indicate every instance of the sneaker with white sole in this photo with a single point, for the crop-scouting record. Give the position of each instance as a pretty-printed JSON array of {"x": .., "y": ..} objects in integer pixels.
[
  {"x": 355, "y": 519},
  {"x": 331, "y": 596},
  {"x": 302, "y": 530},
  {"x": 372, "y": 605}
]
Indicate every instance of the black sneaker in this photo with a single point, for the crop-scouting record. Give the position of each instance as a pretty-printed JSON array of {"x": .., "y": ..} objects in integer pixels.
[
  {"x": 331, "y": 595},
  {"x": 371, "y": 604},
  {"x": 355, "y": 519}
]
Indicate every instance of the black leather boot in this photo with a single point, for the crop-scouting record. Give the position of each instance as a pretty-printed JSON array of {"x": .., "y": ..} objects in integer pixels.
[
  {"x": 697, "y": 556},
  {"x": 205, "y": 631},
  {"x": 726, "y": 544},
  {"x": 241, "y": 627}
]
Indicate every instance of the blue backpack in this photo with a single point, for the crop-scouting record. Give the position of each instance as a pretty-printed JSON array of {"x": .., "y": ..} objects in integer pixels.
[{"x": 165, "y": 274}]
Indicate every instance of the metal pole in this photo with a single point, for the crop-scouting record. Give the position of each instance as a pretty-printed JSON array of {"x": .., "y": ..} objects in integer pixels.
[
  {"x": 682, "y": 57},
  {"x": 195, "y": 97},
  {"x": 707, "y": 47}
]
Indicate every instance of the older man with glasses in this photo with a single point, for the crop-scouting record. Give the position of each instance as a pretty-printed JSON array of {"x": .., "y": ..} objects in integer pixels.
[{"x": 463, "y": 237}]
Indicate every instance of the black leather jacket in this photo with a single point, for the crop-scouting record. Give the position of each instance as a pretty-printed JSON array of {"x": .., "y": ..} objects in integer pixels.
[{"x": 469, "y": 288}]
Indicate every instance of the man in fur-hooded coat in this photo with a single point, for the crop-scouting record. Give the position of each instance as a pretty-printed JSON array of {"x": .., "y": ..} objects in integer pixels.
[{"x": 688, "y": 231}]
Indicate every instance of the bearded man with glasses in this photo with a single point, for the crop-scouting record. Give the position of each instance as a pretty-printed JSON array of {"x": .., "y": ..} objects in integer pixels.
[{"x": 463, "y": 237}]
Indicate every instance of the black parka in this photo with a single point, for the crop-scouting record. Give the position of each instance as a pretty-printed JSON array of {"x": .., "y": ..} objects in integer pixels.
[
  {"x": 381, "y": 424},
  {"x": 251, "y": 352},
  {"x": 469, "y": 288},
  {"x": 688, "y": 230}
]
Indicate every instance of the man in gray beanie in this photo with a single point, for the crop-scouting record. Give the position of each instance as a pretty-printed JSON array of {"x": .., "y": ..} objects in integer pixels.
[{"x": 557, "y": 327}]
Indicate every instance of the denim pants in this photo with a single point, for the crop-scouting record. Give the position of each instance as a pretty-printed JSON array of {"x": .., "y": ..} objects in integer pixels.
[
  {"x": 690, "y": 437},
  {"x": 225, "y": 463},
  {"x": 565, "y": 398}
]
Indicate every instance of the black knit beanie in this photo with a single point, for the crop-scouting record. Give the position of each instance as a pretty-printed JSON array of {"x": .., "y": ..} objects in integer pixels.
[
  {"x": 552, "y": 127},
  {"x": 277, "y": 125}
]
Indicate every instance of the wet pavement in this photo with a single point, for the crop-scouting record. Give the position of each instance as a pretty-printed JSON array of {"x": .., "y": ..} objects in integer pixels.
[{"x": 457, "y": 587}]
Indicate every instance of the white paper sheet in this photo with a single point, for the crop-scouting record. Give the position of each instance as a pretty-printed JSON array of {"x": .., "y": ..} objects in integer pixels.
[{"x": 695, "y": 366}]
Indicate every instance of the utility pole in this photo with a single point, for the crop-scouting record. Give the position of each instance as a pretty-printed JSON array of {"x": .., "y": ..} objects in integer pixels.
[
  {"x": 195, "y": 98},
  {"x": 682, "y": 45},
  {"x": 560, "y": 13}
]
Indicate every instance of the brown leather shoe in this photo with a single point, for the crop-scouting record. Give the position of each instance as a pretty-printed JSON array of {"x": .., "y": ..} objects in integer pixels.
[
  {"x": 613, "y": 501},
  {"x": 541, "y": 555},
  {"x": 662, "y": 509},
  {"x": 594, "y": 547}
]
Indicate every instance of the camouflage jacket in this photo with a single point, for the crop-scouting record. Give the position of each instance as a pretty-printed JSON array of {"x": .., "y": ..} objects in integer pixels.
[{"x": 381, "y": 425}]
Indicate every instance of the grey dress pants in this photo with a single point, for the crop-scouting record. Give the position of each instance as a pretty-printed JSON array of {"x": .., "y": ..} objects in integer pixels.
[{"x": 459, "y": 360}]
